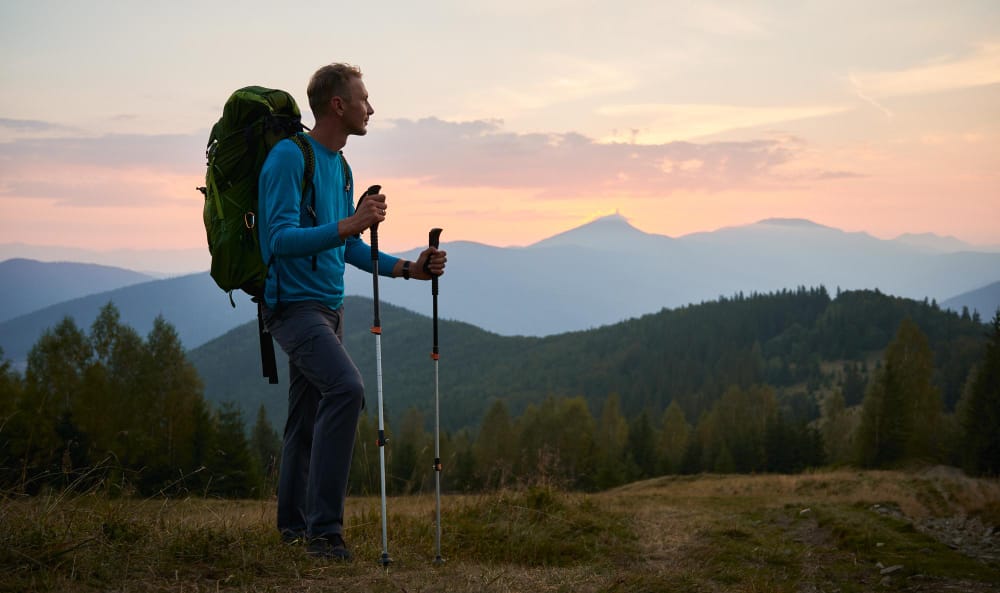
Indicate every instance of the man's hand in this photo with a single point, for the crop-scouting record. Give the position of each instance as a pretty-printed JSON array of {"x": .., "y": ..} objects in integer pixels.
[
  {"x": 370, "y": 212},
  {"x": 434, "y": 259}
]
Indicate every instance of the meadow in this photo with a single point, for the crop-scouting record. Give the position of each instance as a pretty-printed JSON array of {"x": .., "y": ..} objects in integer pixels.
[{"x": 839, "y": 530}]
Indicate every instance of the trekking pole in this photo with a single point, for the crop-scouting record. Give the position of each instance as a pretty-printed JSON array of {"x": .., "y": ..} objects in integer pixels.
[
  {"x": 384, "y": 559},
  {"x": 433, "y": 241}
]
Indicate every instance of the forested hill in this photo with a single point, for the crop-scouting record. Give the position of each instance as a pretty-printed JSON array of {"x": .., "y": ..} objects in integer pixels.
[{"x": 804, "y": 343}]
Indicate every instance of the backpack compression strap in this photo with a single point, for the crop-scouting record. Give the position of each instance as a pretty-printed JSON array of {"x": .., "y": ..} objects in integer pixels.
[{"x": 307, "y": 180}]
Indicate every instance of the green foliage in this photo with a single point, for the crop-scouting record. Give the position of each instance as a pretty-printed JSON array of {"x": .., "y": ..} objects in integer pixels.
[
  {"x": 838, "y": 428},
  {"x": 494, "y": 449},
  {"x": 979, "y": 410},
  {"x": 108, "y": 408},
  {"x": 673, "y": 438},
  {"x": 234, "y": 469},
  {"x": 266, "y": 447},
  {"x": 901, "y": 416},
  {"x": 794, "y": 340},
  {"x": 575, "y": 410}
]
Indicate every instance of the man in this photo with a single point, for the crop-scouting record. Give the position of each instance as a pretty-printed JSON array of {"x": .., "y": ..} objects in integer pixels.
[{"x": 303, "y": 309}]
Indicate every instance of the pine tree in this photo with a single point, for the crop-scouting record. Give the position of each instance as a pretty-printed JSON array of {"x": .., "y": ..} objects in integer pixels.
[
  {"x": 266, "y": 446},
  {"x": 11, "y": 389},
  {"x": 673, "y": 438},
  {"x": 641, "y": 448},
  {"x": 837, "y": 429},
  {"x": 364, "y": 475},
  {"x": 410, "y": 447},
  {"x": 901, "y": 413},
  {"x": 57, "y": 367},
  {"x": 979, "y": 410},
  {"x": 612, "y": 436},
  {"x": 231, "y": 464},
  {"x": 494, "y": 448}
]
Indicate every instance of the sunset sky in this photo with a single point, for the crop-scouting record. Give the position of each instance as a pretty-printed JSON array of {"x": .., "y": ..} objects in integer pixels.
[{"x": 508, "y": 122}]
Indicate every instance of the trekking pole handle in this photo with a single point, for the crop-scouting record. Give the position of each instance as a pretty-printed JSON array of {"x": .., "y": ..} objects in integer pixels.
[
  {"x": 376, "y": 323},
  {"x": 433, "y": 240},
  {"x": 371, "y": 191}
]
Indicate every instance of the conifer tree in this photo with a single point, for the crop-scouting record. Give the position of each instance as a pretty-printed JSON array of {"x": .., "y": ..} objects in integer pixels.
[
  {"x": 11, "y": 388},
  {"x": 901, "y": 414},
  {"x": 612, "y": 436},
  {"x": 231, "y": 465},
  {"x": 673, "y": 438},
  {"x": 979, "y": 410},
  {"x": 266, "y": 446},
  {"x": 575, "y": 443},
  {"x": 55, "y": 375},
  {"x": 409, "y": 448},
  {"x": 364, "y": 474},
  {"x": 641, "y": 448},
  {"x": 837, "y": 429},
  {"x": 494, "y": 448}
]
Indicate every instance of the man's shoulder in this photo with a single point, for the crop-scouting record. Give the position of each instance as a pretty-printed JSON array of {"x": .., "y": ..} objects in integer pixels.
[{"x": 284, "y": 154}]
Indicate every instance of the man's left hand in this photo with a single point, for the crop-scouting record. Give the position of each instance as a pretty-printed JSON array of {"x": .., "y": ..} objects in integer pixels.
[{"x": 432, "y": 259}]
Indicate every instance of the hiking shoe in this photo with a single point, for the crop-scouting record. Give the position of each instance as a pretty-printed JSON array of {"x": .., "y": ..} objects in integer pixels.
[{"x": 329, "y": 546}]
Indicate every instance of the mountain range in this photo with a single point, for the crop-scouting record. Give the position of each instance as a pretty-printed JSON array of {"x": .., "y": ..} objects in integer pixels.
[
  {"x": 796, "y": 341},
  {"x": 608, "y": 270},
  {"x": 32, "y": 285},
  {"x": 597, "y": 274}
]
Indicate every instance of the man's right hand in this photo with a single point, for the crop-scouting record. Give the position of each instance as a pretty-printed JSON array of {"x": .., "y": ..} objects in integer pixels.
[{"x": 370, "y": 211}]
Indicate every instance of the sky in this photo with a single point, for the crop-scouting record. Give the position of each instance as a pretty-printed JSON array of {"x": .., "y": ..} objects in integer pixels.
[{"x": 509, "y": 122}]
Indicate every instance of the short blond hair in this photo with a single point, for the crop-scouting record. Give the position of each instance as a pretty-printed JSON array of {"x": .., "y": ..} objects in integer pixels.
[{"x": 332, "y": 80}]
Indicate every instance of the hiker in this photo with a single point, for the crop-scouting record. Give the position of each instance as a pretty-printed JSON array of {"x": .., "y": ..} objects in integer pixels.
[{"x": 303, "y": 304}]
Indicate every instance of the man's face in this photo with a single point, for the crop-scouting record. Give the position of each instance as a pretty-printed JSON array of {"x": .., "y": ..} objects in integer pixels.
[{"x": 358, "y": 109}]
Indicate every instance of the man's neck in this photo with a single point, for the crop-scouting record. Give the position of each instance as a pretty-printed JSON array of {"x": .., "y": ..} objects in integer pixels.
[{"x": 329, "y": 136}]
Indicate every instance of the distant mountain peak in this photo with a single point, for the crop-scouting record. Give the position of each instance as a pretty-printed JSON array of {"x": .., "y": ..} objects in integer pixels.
[
  {"x": 601, "y": 231},
  {"x": 793, "y": 222},
  {"x": 616, "y": 217},
  {"x": 933, "y": 242}
]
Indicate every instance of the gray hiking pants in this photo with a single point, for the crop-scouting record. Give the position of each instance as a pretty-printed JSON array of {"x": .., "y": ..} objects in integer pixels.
[{"x": 325, "y": 397}]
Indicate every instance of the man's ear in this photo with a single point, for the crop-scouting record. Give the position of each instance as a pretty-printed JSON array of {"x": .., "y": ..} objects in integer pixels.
[{"x": 337, "y": 105}]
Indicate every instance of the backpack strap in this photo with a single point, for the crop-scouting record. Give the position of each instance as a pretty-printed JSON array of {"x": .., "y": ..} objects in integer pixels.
[
  {"x": 348, "y": 176},
  {"x": 267, "y": 360},
  {"x": 307, "y": 181}
]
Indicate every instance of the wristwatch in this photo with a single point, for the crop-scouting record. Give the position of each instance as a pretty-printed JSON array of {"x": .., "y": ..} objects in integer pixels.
[{"x": 406, "y": 269}]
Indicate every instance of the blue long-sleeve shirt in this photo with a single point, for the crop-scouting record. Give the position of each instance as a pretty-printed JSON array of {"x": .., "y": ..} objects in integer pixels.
[{"x": 287, "y": 231}]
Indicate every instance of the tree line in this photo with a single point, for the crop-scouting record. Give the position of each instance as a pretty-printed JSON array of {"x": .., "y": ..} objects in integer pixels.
[
  {"x": 111, "y": 409},
  {"x": 900, "y": 419}
]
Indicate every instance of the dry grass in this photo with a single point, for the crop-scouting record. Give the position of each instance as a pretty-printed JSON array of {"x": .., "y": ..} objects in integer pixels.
[{"x": 811, "y": 532}]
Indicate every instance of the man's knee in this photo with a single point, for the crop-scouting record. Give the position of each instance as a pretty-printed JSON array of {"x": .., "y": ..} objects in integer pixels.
[
  {"x": 355, "y": 389},
  {"x": 350, "y": 388}
]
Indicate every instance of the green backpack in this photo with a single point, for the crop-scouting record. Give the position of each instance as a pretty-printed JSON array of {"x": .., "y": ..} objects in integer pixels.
[{"x": 254, "y": 119}]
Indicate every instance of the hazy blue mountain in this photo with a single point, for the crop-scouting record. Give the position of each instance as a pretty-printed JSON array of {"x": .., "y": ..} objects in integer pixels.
[
  {"x": 986, "y": 300},
  {"x": 598, "y": 274},
  {"x": 193, "y": 304},
  {"x": 157, "y": 263},
  {"x": 29, "y": 285},
  {"x": 607, "y": 271},
  {"x": 932, "y": 242}
]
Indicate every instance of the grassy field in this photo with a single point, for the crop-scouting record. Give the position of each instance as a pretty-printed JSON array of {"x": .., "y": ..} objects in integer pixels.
[{"x": 929, "y": 530}]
